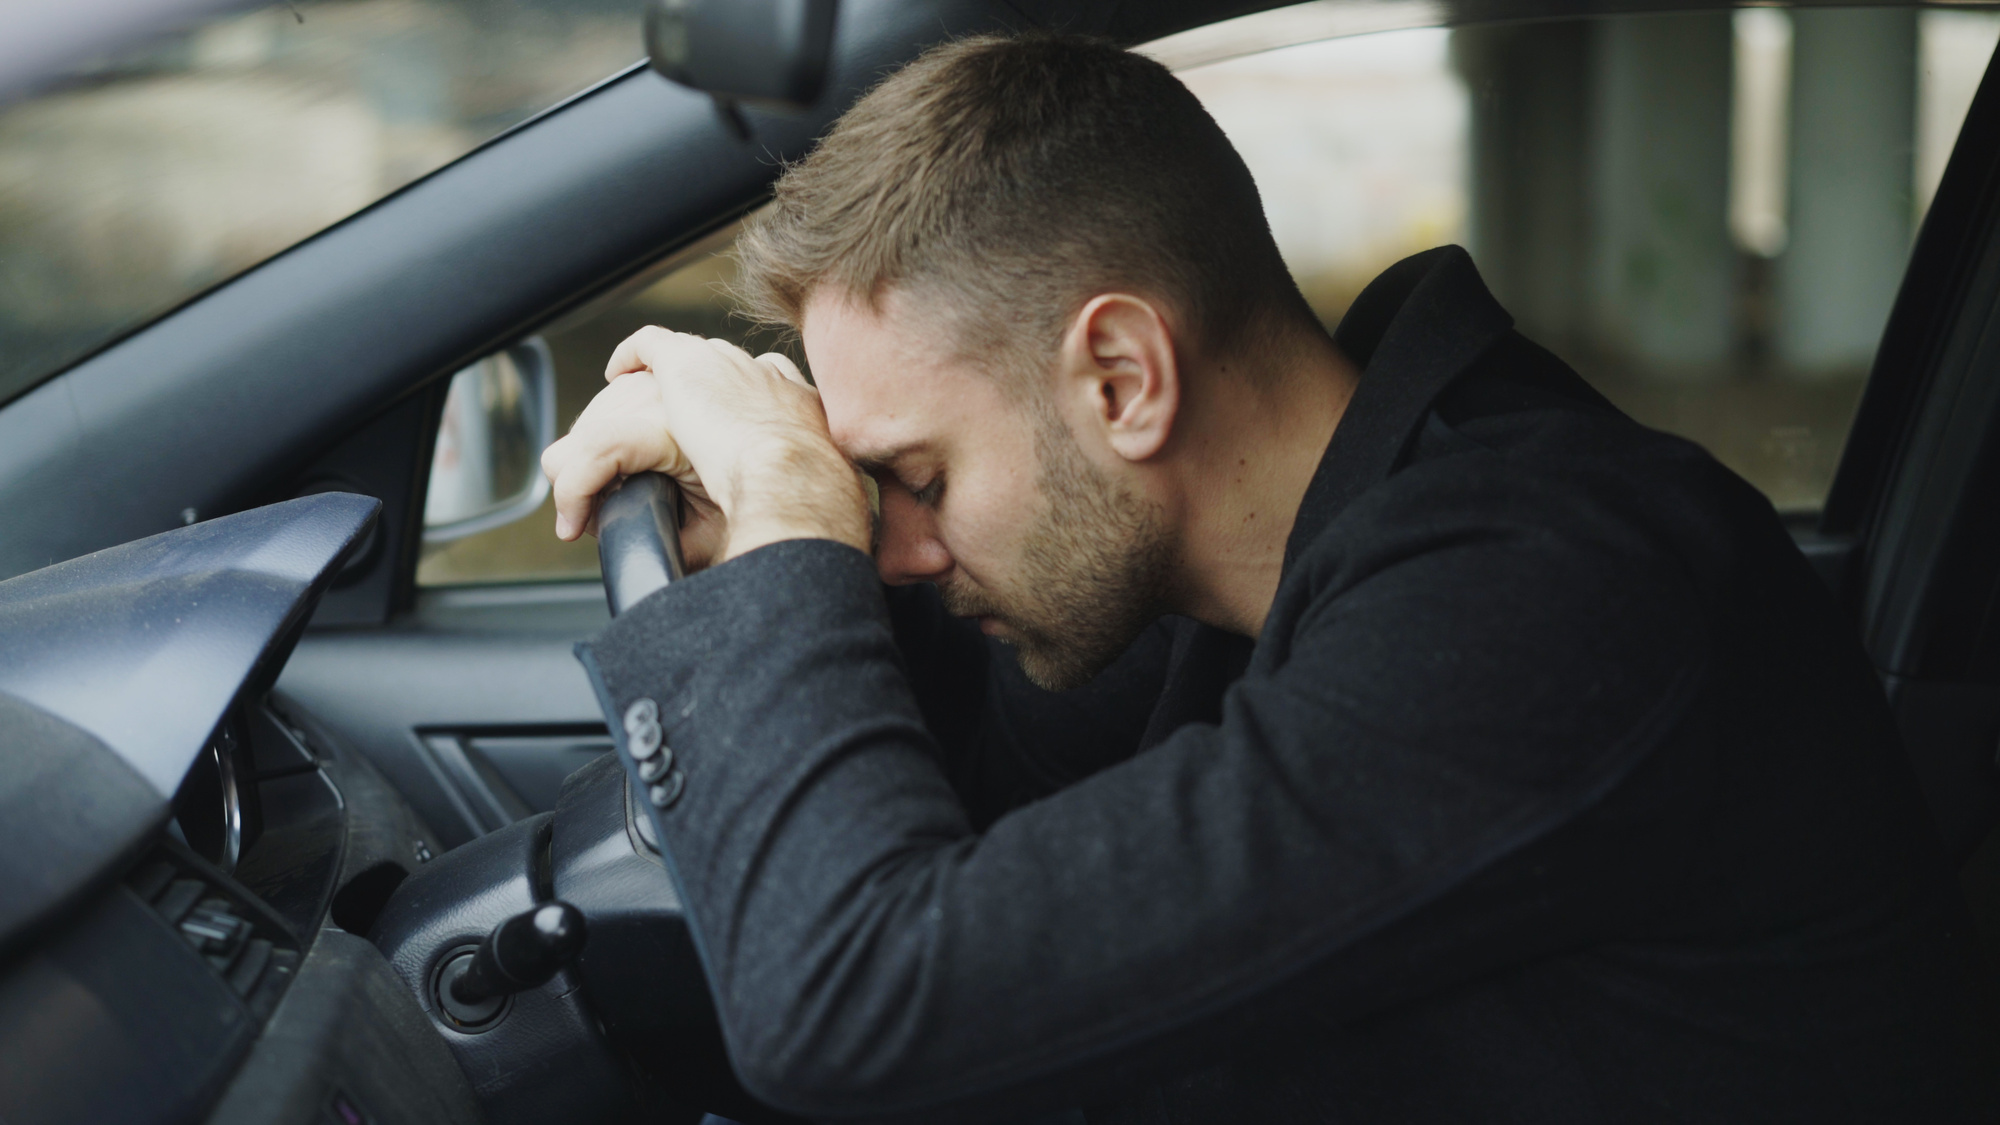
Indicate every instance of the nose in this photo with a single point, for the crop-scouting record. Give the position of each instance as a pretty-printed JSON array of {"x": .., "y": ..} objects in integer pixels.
[{"x": 907, "y": 547}]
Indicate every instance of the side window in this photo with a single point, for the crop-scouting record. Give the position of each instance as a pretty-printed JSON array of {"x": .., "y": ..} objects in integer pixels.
[
  {"x": 471, "y": 536},
  {"x": 1707, "y": 214}
]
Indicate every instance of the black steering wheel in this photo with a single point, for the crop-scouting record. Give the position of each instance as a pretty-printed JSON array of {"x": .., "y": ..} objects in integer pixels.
[
  {"x": 639, "y": 546},
  {"x": 638, "y": 538},
  {"x": 635, "y": 989}
]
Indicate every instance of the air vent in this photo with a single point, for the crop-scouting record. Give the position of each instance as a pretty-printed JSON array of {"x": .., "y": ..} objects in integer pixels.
[{"x": 240, "y": 940}]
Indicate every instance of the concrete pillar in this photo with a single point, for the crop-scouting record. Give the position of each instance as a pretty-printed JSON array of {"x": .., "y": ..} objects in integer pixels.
[
  {"x": 1663, "y": 270},
  {"x": 1853, "y": 134},
  {"x": 1528, "y": 91}
]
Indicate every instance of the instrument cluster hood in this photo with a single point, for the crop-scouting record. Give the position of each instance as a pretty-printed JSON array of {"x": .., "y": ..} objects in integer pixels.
[
  {"x": 115, "y": 669},
  {"x": 144, "y": 645}
]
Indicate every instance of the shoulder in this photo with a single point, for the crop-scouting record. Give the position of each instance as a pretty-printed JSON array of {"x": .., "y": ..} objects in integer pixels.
[
  {"x": 1521, "y": 452},
  {"x": 1520, "y": 509},
  {"x": 1507, "y": 509}
]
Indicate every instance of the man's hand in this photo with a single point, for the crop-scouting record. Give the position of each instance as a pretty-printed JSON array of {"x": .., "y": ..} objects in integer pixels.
[{"x": 744, "y": 436}]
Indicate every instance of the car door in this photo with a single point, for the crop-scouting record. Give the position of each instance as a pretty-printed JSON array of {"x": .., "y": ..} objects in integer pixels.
[{"x": 1909, "y": 527}]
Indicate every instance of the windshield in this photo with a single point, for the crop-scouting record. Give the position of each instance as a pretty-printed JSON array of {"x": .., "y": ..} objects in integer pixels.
[{"x": 156, "y": 174}]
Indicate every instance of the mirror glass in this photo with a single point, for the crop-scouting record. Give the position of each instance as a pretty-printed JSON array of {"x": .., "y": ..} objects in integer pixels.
[
  {"x": 685, "y": 292},
  {"x": 498, "y": 417}
]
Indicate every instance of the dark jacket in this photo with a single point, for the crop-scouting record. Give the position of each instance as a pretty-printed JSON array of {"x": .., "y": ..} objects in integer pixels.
[{"x": 1556, "y": 789}]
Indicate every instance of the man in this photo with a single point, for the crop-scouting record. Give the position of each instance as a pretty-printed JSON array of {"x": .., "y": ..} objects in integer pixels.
[{"x": 1394, "y": 731}]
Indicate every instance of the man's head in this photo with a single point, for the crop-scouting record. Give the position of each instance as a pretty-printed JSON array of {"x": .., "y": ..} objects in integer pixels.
[{"x": 1012, "y": 264}]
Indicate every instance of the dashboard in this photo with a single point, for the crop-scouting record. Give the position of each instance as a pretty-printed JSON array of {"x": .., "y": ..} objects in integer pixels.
[
  {"x": 214, "y": 908},
  {"x": 189, "y": 861}
]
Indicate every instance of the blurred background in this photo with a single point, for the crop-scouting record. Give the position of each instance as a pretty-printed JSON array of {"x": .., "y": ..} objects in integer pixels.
[{"x": 1708, "y": 214}]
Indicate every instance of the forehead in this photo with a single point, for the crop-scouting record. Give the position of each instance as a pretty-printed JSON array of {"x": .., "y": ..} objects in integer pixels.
[{"x": 889, "y": 378}]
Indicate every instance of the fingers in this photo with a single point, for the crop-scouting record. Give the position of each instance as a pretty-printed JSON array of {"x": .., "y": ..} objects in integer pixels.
[
  {"x": 621, "y": 432},
  {"x": 695, "y": 409},
  {"x": 784, "y": 365},
  {"x": 576, "y": 476},
  {"x": 704, "y": 533},
  {"x": 645, "y": 350},
  {"x": 625, "y": 357},
  {"x": 651, "y": 349},
  {"x": 770, "y": 361}
]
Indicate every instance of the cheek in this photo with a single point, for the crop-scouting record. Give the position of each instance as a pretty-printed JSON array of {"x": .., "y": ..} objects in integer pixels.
[{"x": 984, "y": 531}]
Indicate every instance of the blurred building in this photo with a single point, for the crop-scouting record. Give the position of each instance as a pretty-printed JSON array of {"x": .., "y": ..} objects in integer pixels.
[{"x": 1707, "y": 213}]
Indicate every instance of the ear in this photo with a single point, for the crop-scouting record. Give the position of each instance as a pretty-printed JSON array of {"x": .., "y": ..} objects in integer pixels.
[{"x": 1117, "y": 362}]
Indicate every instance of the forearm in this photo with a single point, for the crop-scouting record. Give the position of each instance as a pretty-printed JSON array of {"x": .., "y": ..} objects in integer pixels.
[
  {"x": 870, "y": 954},
  {"x": 816, "y": 707},
  {"x": 798, "y": 487}
]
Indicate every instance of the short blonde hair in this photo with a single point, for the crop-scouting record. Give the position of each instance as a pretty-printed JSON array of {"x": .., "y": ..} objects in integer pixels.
[{"x": 1017, "y": 177}]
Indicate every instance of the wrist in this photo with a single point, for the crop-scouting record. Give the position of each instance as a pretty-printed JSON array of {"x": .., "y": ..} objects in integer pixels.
[{"x": 799, "y": 493}]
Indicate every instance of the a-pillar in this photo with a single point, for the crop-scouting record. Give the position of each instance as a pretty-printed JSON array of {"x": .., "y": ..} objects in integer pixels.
[{"x": 1853, "y": 130}]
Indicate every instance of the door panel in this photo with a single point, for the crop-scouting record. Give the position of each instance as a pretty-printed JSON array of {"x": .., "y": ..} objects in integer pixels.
[{"x": 470, "y": 704}]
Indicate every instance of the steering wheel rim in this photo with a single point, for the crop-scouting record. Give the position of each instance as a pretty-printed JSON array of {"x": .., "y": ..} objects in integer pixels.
[{"x": 638, "y": 538}]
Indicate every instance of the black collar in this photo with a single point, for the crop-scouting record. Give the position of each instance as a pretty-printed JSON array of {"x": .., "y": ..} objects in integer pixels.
[{"x": 1412, "y": 331}]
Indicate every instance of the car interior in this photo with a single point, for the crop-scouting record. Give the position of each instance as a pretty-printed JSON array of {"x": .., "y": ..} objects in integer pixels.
[{"x": 312, "y": 814}]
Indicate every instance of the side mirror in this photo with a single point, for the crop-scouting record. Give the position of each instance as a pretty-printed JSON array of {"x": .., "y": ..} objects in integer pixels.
[
  {"x": 767, "y": 53},
  {"x": 499, "y": 415}
]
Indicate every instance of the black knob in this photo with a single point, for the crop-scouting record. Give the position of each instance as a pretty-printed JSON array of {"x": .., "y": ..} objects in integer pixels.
[{"x": 521, "y": 953}]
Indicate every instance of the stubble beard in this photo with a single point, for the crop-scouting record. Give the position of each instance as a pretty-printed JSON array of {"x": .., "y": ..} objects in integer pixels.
[{"x": 1093, "y": 572}]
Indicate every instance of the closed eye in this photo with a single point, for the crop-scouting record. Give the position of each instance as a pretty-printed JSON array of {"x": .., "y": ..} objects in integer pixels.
[{"x": 928, "y": 495}]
